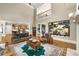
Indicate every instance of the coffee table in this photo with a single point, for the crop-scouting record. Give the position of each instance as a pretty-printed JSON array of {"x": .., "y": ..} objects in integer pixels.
[{"x": 35, "y": 44}]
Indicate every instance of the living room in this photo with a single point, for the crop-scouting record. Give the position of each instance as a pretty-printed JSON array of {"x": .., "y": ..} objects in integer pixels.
[{"x": 39, "y": 29}]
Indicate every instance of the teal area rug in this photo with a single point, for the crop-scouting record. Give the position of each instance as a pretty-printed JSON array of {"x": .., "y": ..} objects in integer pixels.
[{"x": 31, "y": 52}]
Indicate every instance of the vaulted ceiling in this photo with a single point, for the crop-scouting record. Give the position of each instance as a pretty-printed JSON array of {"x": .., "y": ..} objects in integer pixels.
[
  {"x": 36, "y": 5},
  {"x": 15, "y": 11}
]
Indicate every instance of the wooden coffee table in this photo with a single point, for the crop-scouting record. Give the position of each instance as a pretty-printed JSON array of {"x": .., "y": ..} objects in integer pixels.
[{"x": 34, "y": 45}]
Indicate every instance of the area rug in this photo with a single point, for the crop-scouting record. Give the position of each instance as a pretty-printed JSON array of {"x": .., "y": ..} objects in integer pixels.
[
  {"x": 30, "y": 52},
  {"x": 50, "y": 50}
]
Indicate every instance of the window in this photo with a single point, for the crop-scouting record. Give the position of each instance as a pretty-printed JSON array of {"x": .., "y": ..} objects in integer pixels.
[{"x": 1, "y": 28}]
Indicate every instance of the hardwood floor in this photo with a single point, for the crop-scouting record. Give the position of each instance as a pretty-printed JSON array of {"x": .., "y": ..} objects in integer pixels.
[
  {"x": 61, "y": 44},
  {"x": 64, "y": 45}
]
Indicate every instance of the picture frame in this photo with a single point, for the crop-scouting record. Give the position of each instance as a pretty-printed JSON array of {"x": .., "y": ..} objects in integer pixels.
[{"x": 61, "y": 28}]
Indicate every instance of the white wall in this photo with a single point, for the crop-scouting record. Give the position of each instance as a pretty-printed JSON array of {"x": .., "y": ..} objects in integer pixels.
[
  {"x": 43, "y": 8},
  {"x": 77, "y": 29},
  {"x": 72, "y": 30},
  {"x": 77, "y": 32},
  {"x": 44, "y": 20},
  {"x": 17, "y": 13},
  {"x": 60, "y": 11}
]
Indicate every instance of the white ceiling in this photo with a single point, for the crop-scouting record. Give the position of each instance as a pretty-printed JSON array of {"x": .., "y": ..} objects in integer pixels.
[
  {"x": 15, "y": 11},
  {"x": 36, "y": 5}
]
